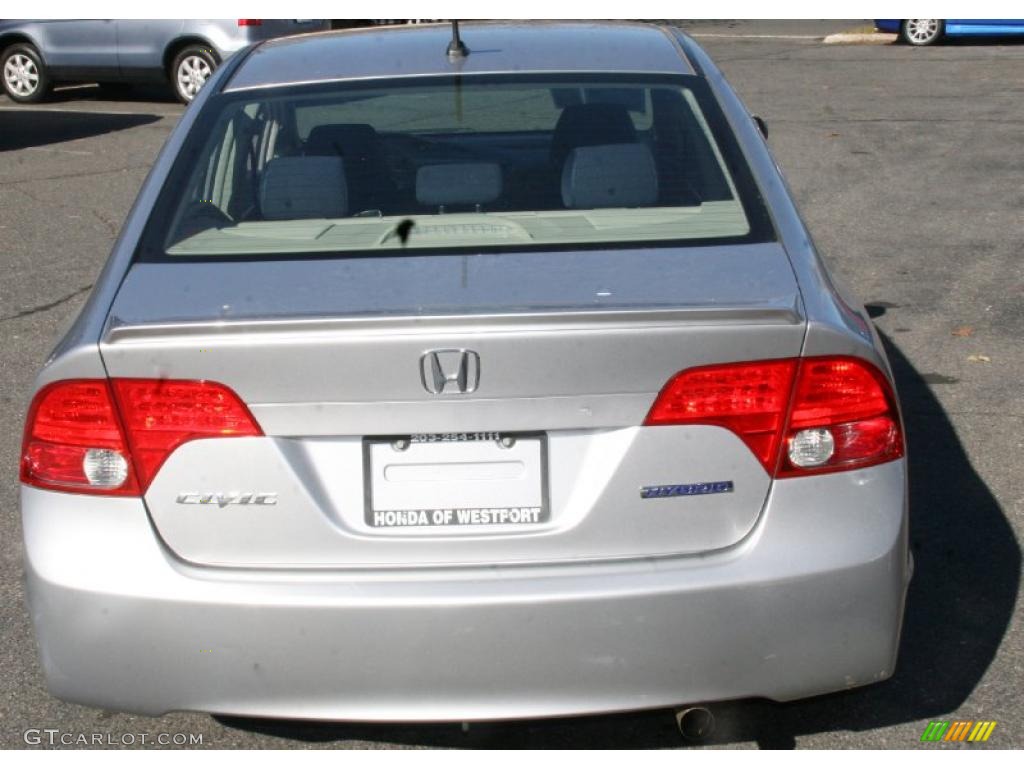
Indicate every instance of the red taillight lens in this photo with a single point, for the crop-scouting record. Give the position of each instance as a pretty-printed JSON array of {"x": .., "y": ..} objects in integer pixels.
[
  {"x": 250, "y": 22},
  {"x": 69, "y": 422},
  {"x": 852, "y": 401},
  {"x": 841, "y": 411},
  {"x": 748, "y": 398},
  {"x": 85, "y": 436},
  {"x": 161, "y": 414}
]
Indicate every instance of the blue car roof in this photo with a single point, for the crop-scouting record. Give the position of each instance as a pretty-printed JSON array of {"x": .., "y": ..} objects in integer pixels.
[{"x": 419, "y": 50}]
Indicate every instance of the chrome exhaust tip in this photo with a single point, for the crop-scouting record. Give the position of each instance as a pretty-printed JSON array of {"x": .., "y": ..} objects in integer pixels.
[{"x": 695, "y": 723}]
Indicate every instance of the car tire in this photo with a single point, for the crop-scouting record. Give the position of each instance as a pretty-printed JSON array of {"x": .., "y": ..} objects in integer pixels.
[
  {"x": 24, "y": 75},
  {"x": 191, "y": 68},
  {"x": 921, "y": 31}
]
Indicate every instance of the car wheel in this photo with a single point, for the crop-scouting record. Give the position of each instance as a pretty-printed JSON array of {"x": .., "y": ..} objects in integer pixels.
[
  {"x": 191, "y": 69},
  {"x": 24, "y": 75},
  {"x": 921, "y": 31}
]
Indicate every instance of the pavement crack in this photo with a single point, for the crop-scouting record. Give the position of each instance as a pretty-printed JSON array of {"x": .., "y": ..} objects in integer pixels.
[
  {"x": 30, "y": 196},
  {"x": 106, "y": 222},
  {"x": 45, "y": 307},
  {"x": 110, "y": 225}
]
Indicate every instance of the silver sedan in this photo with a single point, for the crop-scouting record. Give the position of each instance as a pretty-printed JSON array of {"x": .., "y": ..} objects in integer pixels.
[{"x": 458, "y": 377}]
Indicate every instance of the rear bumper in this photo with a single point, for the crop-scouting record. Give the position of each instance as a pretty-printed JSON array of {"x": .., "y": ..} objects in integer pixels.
[{"x": 810, "y": 602}]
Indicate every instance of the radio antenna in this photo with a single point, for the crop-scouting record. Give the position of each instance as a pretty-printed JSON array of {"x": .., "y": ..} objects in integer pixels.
[{"x": 456, "y": 48}]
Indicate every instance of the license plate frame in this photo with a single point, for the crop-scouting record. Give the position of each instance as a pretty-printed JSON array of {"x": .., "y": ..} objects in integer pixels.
[{"x": 457, "y": 518}]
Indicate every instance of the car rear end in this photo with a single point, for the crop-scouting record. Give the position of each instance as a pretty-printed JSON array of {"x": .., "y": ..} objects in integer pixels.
[{"x": 529, "y": 428}]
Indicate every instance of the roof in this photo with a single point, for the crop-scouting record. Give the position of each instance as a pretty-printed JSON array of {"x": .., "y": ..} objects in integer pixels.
[{"x": 420, "y": 50}]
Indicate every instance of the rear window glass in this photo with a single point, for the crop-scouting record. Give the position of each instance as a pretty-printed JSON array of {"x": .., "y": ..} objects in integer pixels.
[{"x": 472, "y": 163}]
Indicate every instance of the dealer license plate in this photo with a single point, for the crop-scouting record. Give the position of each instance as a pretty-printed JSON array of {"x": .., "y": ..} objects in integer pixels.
[{"x": 460, "y": 479}]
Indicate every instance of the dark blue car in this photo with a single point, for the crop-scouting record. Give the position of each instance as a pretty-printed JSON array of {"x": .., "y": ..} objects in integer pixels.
[{"x": 928, "y": 31}]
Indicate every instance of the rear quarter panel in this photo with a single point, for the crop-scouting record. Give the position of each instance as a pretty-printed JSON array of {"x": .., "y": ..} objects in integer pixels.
[
  {"x": 837, "y": 322},
  {"x": 76, "y": 353}
]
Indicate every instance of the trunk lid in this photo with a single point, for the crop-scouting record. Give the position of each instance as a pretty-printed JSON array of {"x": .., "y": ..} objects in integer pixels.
[{"x": 562, "y": 353}]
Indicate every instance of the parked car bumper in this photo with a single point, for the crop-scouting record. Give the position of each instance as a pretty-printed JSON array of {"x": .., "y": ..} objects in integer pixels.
[{"x": 810, "y": 602}]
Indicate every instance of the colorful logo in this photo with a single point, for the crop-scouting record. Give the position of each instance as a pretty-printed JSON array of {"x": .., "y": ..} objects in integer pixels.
[{"x": 959, "y": 730}]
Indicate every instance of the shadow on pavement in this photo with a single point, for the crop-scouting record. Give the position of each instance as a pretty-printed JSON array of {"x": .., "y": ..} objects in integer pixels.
[
  {"x": 967, "y": 570},
  {"x": 23, "y": 128}
]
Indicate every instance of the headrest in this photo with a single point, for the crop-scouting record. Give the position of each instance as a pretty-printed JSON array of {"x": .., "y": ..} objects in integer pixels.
[
  {"x": 588, "y": 125},
  {"x": 304, "y": 188},
  {"x": 458, "y": 183},
  {"x": 610, "y": 176}
]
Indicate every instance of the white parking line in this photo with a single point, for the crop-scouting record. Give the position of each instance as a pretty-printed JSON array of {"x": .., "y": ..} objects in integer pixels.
[{"x": 756, "y": 37}]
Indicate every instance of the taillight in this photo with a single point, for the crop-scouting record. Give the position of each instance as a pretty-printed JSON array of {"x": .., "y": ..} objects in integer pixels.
[
  {"x": 161, "y": 414},
  {"x": 250, "y": 22},
  {"x": 797, "y": 416},
  {"x": 72, "y": 428},
  {"x": 111, "y": 437},
  {"x": 844, "y": 416},
  {"x": 748, "y": 398}
]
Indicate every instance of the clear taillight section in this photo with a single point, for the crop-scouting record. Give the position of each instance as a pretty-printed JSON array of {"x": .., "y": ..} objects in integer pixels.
[
  {"x": 798, "y": 416},
  {"x": 111, "y": 437}
]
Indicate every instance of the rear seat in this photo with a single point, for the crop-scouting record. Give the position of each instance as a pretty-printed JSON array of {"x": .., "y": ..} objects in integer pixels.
[
  {"x": 588, "y": 125},
  {"x": 304, "y": 188},
  {"x": 358, "y": 144},
  {"x": 610, "y": 176}
]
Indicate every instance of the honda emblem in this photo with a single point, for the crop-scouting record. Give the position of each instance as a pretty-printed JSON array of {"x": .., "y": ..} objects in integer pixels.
[{"x": 450, "y": 371}]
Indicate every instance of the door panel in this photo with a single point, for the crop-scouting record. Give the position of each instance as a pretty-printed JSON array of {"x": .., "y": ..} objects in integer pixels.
[
  {"x": 990, "y": 27},
  {"x": 141, "y": 43},
  {"x": 80, "y": 47}
]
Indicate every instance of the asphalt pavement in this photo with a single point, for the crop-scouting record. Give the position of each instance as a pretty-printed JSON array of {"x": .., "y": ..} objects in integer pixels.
[{"x": 908, "y": 165}]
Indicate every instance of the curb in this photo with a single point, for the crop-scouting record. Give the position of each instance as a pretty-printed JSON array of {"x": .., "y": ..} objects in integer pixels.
[{"x": 860, "y": 38}]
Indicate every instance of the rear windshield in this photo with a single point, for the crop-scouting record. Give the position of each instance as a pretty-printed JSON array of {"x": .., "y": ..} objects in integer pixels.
[{"x": 474, "y": 163}]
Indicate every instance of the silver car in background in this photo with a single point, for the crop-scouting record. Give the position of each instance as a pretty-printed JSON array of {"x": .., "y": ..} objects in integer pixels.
[
  {"x": 35, "y": 55},
  {"x": 427, "y": 383}
]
